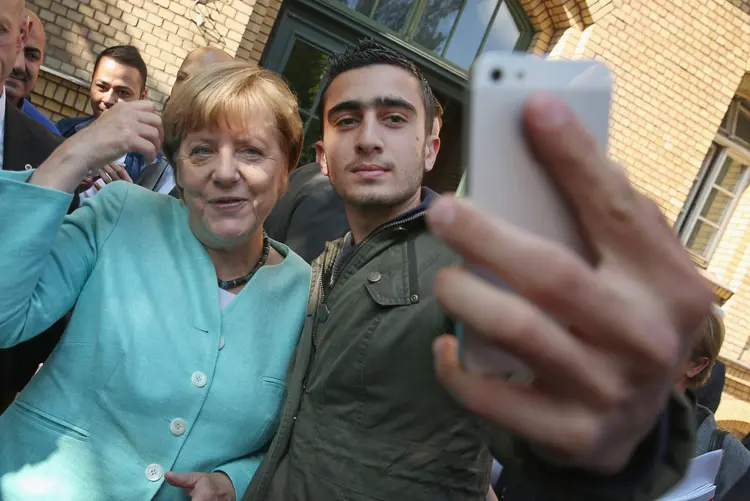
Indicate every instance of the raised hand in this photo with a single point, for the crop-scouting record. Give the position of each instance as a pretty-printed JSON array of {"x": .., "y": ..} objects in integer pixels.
[
  {"x": 126, "y": 127},
  {"x": 599, "y": 386},
  {"x": 203, "y": 486}
]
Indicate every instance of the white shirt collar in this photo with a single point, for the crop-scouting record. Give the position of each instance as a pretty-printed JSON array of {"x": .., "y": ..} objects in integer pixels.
[{"x": 2, "y": 125}]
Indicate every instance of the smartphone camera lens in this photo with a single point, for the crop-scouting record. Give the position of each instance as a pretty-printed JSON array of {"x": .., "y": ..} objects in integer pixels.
[{"x": 496, "y": 75}]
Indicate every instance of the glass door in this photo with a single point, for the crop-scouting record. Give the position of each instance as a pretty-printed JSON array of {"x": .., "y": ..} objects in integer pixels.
[{"x": 299, "y": 53}]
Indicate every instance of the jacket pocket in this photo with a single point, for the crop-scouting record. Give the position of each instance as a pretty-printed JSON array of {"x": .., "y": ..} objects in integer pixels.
[
  {"x": 390, "y": 289},
  {"x": 48, "y": 422},
  {"x": 271, "y": 398}
]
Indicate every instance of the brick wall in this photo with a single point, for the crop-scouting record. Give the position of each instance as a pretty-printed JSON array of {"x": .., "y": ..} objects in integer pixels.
[
  {"x": 163, "y": 30},
  {"x": 59, "y": 97}
]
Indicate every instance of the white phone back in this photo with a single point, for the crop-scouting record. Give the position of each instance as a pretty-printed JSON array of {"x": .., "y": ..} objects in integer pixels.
[{"x": 503, "y": 177}]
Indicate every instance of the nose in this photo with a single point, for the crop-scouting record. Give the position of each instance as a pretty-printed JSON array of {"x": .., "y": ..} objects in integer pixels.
[
  {"x": 369, "y": 140},
  {"x": 19, "y": 67},
  {"x": 226, "y": 171},
  {"x": 110, "y": 98}
]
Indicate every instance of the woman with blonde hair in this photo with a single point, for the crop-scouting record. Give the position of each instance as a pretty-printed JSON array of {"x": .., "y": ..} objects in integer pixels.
[
  {"x": 736, "y": 460},
  {"x": 185, "y": 315}
]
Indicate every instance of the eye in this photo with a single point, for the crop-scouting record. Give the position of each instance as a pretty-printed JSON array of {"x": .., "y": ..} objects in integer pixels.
[
  {"x": 346, "y": 122},
  {"x": 201, "y": 150},
  {"x": 395, "y": 119},
  {"x": 124, "y": 94},
  {"x": 250, "y": 151}
]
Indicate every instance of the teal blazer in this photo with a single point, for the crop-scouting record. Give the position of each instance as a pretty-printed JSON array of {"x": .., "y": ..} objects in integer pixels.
[{"x": 150, "y": 375}]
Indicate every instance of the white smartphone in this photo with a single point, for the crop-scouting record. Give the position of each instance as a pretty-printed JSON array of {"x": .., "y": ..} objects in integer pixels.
[{"x": 504, "y": 179}]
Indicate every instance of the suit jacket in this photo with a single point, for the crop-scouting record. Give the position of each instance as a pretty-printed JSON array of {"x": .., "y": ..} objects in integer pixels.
[
  {"x": 26, "y": 145},
  {"x": 151, "y": 374},
  {"x": 308, "y": 214}
]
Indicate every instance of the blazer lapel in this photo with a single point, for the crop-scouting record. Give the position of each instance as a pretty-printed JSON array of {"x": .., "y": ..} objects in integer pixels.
[{"x": 26, "y": 143}]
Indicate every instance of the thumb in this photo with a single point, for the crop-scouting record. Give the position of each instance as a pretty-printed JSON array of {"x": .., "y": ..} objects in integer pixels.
[{"x": 183, "y": 480}]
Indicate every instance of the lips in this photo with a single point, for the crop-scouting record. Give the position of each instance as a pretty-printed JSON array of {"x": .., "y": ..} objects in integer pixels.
[
  {"x": 370, "y": 171},
  {"x": 228, "y": 204}
]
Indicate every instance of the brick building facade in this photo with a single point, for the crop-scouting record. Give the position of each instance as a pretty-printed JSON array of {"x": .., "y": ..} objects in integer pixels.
[{"x": 680, "y": 119}]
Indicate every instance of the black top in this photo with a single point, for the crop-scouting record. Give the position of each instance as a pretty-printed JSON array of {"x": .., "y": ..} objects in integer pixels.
[{"x": 308, "y": 214}]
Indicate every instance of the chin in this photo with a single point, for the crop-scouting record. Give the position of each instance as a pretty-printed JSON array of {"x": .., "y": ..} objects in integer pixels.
[{"x": 230, "y": 235}]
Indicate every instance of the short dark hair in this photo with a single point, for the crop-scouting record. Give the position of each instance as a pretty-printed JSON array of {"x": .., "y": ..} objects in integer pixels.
[
  {"x": 367, "y": 52},
  {"x": 127, "y": 55}
]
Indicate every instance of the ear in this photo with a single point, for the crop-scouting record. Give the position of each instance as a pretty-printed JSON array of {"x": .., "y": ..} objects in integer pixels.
[
  {"x": 432, "y": 147},
  {"x": 696, "y": 366},
  {"x": 145, "y": 93},
  {"x": 320, "y": 157}
]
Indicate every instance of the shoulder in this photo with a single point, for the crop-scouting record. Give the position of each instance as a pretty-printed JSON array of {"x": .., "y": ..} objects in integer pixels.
[
  {"x": 431, "y": 248},
  {"x": 292, "y": 263},
  {"x": 24, "y": 124},
  {"x": 132, "y": 202},
  {"x": 33, "y": 112},
  {"x": 66, "y": 126}
]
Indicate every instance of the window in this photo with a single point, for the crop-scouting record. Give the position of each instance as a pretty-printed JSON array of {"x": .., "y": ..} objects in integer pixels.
[
  {"x": 454, "y": 30},
  {"x": 719, "y": 185}
]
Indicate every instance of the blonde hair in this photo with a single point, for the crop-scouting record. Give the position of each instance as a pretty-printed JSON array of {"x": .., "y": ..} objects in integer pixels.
[
  {"x": 708, "y": 345},
  {"x": 227, "y": 93}
]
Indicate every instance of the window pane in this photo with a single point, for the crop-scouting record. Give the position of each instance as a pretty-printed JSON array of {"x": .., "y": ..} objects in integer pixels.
[
  {"x": 362, "y": 6},
  {"x": 393, "y": 13},
  {"x": 436, "y": 23},
  {"x": 742, "y": 129},
  {"x": 716, "y": 206},
  {"x": 701, "y": 238},
  {"x": 730, "y": 173},
  {"x": 504, "y": 33},
  {"x": 470, "y": 31},
  {"x": 304, "y": 70}
]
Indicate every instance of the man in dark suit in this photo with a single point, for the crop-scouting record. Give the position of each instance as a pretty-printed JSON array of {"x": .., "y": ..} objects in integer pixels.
[{"x": 25, "y": 145}]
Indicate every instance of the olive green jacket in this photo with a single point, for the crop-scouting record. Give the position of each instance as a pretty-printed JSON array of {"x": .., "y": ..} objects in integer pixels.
[{"x": 365, "y": 418}]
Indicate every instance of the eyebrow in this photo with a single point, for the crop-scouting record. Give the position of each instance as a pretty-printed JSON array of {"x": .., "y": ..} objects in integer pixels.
[{"x": 378, "y": 102}]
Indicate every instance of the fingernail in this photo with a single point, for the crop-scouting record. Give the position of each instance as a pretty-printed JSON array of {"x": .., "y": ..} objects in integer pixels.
[
  {"x": 438, "y": 347},
  {"x": 549, "y": 111},
  {"x": 441, "y": 213}
]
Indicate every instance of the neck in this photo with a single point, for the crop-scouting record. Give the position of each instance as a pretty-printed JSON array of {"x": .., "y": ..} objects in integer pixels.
[
  {"x": 237, "y": 261},
  {"x": 364, "y": 220}
]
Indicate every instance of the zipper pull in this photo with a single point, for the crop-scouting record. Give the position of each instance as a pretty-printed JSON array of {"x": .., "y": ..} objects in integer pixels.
[{"x": 323, "y": 313}]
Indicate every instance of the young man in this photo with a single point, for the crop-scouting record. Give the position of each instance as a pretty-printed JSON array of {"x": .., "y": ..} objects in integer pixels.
[
  {"x": 310, "y": 213},
  {"x": 120, "y": 74},
  {"x": 365, "y": 415},
  {"x": 25, "y": 74}
]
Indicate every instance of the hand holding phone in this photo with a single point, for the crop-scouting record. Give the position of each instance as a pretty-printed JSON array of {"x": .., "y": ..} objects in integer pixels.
[{"x": 504, "y": 179}]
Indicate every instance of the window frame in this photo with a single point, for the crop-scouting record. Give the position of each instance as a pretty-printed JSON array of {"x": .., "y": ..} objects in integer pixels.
[
  {"x": 408, "y": 31},
  {"x": 722, "y": 147}
]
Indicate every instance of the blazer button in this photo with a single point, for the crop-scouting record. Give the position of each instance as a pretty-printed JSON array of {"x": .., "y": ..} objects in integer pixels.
[
  {"x": 374, "y": 277},
  {"x": 199, "y": 379},
  {"x": 154, "y": 472},
  {"x": 178, "y": 426}
]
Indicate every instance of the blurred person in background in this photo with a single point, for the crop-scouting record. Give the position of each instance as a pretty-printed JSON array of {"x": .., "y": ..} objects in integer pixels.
[
  {"x": 120, "y": 75},
  {"x": 709, "y": 437},
  {"x": 159, "y": 176},
  {"x": 25, "y": 74},
  {"x": 24, "y": 145}
]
